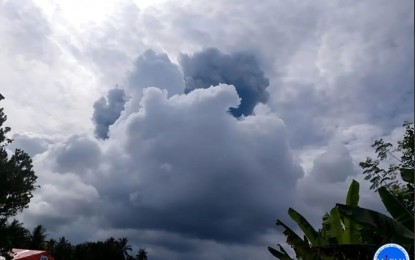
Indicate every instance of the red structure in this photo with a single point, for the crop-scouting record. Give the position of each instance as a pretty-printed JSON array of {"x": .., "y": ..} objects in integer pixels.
[{"x": 24, "y": 254}]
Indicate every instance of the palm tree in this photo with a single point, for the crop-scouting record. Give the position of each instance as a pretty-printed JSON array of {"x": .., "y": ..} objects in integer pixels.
[
  {"x": 142, "y": 254},
  {"x": 124, "y": 247},
  {"x": 19, "y": 235},
  {"x": 38, "y": 238}
]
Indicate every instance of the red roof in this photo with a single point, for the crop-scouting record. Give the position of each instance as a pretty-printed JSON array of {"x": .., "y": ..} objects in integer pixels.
[{"x": 24, "y": 254}]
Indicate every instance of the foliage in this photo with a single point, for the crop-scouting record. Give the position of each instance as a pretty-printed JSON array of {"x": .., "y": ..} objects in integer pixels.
[
  {"x": 17, "y": 178},
  {"x": 117, "y": 249},
  {"x": 142, "y": 255},
  {"x": 17, "y": 182},
  {"x": 38, "y": 238},
  {"x": 339, "y": 238},
  {"x": 350, "y": 232},
  {"x": 111, "y": 248},
  {"x": 403, "y": 155}
]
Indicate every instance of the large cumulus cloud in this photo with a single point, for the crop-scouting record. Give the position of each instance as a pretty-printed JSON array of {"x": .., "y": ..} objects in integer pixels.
[
  {"x": 218, "y": 175},
  {"x": 183, "y": 165}
]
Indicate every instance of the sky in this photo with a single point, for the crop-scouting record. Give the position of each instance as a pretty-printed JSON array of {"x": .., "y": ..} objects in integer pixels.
[{"x": 191, "y": 126}]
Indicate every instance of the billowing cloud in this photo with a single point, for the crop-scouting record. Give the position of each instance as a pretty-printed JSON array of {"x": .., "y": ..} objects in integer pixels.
[
  {"x": 152, "y": 69},
  {"x": 107, "y": 111},
  {"x": 77, "y": 155},
  {"x": 211, "y": 67},
  {"x": 219, "y": 175},
  {"x": 189, "y": 147}
]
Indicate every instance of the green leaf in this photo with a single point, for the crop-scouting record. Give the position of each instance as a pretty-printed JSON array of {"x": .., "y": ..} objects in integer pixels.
[
  {"x": 353, "y": 194},
  {"x": 378, "y": 223},
  {"x": 280, "y": 255},
  {"x": 351, "y": 234},
  {"x": 300, "y": 247},
  {"x": 306, "y": 227},
  {"x": 408, "y": 175},
  {"x": 396, "y": 209},
  {"x": 336, "y": 225}
]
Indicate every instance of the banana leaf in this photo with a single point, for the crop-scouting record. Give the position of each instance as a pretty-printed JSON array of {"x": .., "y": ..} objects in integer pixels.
[
  {"x": 353, "y": 194},
  {"x": 351, "y": 234},
  {"x": 280, "y": 255},
  {"x": 396, "y": 209},
  {"x": 301, "y": 248},
  {"x": 309, "y": 231},
  {"x": 336, "y": 225},
  {"x": 378, "y": 223}
]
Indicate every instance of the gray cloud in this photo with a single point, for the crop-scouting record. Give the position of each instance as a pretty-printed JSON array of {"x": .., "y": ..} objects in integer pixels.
[
  {"x": 219, "y": 176},
  {"x": 107, "y": 111},
  {"x": 210, "y": 67},
  {"x": 152, "y": 69},
  {"x": 211, "y": 156},
  {"x": 77, "y": 155},
  {"x": 30, "y": 144},
  {"x": 335, "y": 165}
]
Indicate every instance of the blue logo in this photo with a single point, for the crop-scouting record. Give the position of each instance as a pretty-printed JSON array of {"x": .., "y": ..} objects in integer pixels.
[{"x": 391, "y": 252}]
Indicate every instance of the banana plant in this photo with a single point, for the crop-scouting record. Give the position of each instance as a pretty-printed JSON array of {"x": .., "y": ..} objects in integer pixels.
[
  {"x": 399, "y": 228},
  {"x": 336, "y": 230}
]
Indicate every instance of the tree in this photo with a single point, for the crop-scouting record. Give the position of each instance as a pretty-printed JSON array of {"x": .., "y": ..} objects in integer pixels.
[
  {"x": 338, "y": 238},
  {"x": 142, "y": 254},
  {"x": 60, "y": 249},
  {"x": 17, "y": 178},
  {"x": 124, "y": 247},
  {"x": 401, "y": 163},
  {"x": 38, "y": 238},
  {"x": 350, "y": 232},
  {"x": 17, "y": 182},
  {"x": 19, "y": 235}
]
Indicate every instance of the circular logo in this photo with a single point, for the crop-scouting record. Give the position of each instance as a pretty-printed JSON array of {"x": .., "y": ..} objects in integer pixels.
[{"x": 391, "y": 252}]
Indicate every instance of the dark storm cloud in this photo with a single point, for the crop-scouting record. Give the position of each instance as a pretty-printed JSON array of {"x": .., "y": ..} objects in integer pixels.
[
  {"x": 180, "y": 165},
  {"x": 197, "y": 171},
  {"x": 76, "y": 155},
  {"x": 153, "y": 69},
  {"x": 107, "y": 111},
  {"x": 211, "y": 67}
]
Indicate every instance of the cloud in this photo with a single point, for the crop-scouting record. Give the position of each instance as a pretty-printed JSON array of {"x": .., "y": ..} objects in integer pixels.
[
  {"x": 219, "y": 175},
  {"x": 211, "y": 156},
  {"x": 107, "y": 111},
  {"x": 335, "y": 165},
  {"x": 77, "y": 155},
  {"x": 32, "y": 145},
  {"x": 210, "y": 67},
  {"x": 153, "y": 69}
]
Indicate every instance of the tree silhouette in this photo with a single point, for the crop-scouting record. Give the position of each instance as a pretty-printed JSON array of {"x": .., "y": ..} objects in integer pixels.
[
  {"x": 142, "y": 254},
  {"x": 17, "y": 182},
  {"x": 38, "y": 238}
]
